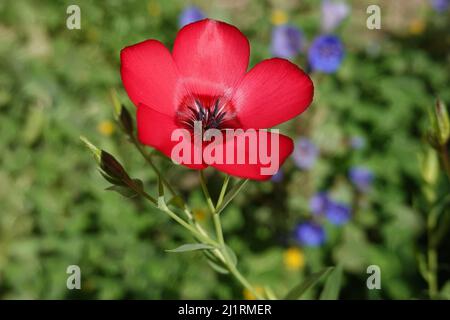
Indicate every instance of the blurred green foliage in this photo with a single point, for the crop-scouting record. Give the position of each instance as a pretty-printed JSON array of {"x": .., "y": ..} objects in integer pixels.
[{"x": 54, "y": 211}]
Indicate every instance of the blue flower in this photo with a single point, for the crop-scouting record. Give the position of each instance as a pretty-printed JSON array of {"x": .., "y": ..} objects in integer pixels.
[
  {"x": 440, "y": 5},
  {"x": 287, "y": 41},
  {"x": 361, "y": 178},
  {"x": 278, "y": 177},
  {"x": 190, "y": 14},
  {"x": 337, "y": 213},
  {"x": 305, "y": 153},
  {"x": 333, "y": 12},
  {"x": 326, "y": 53},
  {"x": 310, "y": 234},
  {"x": 319, "y": 203},
  {"x": 357, "y": 142}
]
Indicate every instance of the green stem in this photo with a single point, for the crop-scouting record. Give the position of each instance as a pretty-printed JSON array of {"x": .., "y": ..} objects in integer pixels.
[
  {"x": 235, "y": 272},
  {"x": 432, "y": 258},
  {"x": 149, "y": 160},
  {"x": 218, "y": 227},
  {"x": 200, "y": 236},
  {"x": 222, "y": 252},
  {"x": 195, "y": 228}
]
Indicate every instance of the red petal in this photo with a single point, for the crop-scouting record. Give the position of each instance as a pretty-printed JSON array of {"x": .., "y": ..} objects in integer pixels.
[
  {"x": 155, "y": 130},
  {"x": 274, "y": 91},
  {"x": 150, "y": 76},
  {"x": 211, "y": 56},
  {"x": 254, "y": 170}
]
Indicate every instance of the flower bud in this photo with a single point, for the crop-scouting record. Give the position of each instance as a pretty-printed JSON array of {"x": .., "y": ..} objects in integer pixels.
[
  {"x": 443, "y": 122},
  {"x": 440, "y": 125},
  {"x": 429, "y": 165},
  {"x": 95, "y": 151}
]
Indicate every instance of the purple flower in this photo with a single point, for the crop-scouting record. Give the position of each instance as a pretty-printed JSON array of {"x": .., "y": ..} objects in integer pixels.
[
  {"x": 190, "y": 14},
  {"x": 278, "y": 177},
  {"x": 337, "y": 213},
  {"x": 287, "y": 41},
  {"x": 318, "y": 203},
  {"x": 310, "y": 234},
  {"x": 326, "y": 53},
  {"x": 440, "y": 5},
  {"x": 361, "y": 178},
  {"x": 357, "y": 142},
  {"x": 333, "y": 12},
  {"x": 305, "y": 153}
]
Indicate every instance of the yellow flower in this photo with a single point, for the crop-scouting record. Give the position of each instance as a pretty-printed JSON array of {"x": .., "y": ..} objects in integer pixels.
[
  {"x": 199, "y": 214},
  {"x": 153, "y": 8},
  {"x": 293, "y": 259},
  {"x": 417, "y": 27},
  {"x": 250, "y": 296},
  {"x": 279, "y": 17},
  {"x": 106, "y": 128}
]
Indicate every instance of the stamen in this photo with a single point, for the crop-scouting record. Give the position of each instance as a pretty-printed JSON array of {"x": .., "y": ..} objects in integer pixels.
[{"x": 212, "y": 116}]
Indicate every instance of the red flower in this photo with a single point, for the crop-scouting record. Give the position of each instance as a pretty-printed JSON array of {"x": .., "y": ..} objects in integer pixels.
[{"x": 205, "y": 78}]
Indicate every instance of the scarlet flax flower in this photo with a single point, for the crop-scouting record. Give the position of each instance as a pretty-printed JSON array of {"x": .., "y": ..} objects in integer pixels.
[{"x": 205, "y": 79}]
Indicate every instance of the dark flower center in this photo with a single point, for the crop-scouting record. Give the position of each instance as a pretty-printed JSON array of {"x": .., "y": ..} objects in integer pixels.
[{"x": 213, "y": 113}]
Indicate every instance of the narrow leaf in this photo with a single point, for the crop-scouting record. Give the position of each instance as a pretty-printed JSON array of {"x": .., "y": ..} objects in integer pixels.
[
  {"x": 116, "y": 103},
  {"x": 160, "y": 187},
  {"x": 298, "y": 291},
  {"x": 218, "y": 268},
  {"x": 231, "y": 255},
  {"x": 191, "y": 247},
  {"x": 232, "y": 194},
  {"x": 332, "y": 285}
]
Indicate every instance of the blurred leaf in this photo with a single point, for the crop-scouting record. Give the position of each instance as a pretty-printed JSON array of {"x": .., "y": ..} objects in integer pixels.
[
  {"x": 191, "y": 247},
  {"x": 298, "y": 291},
  {"x": 33, "y": 125},
  {"x": 231, "y": 255},
  {"x": 332, "y": 285},
  {"x": 177, "y": 201}
]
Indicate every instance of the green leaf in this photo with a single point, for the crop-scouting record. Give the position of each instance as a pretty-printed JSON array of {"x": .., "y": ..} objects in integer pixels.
[
  {"x": 332, "y": 285},
  {"x": 231, "y": 255},
  {"x": 218, "y": 268},
  {"x": 309, "y": 282},
  {"x": 192, "y": 247},
  {"x": 231, "y": 194}
]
